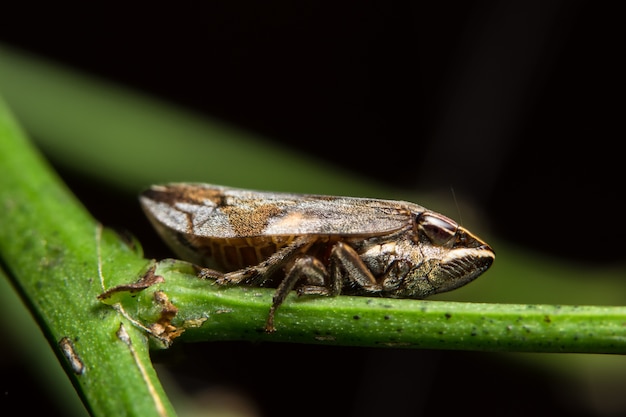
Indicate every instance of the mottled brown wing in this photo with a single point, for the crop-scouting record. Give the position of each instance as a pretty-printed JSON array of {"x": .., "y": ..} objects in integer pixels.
[{"x": 223, "y": 212}]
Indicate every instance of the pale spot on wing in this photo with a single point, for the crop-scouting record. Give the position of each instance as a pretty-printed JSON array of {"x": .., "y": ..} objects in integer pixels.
[{"x": 286, "y": 224}]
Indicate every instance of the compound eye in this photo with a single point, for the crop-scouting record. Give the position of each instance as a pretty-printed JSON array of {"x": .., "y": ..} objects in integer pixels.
[{"x": 439, "y": 229}]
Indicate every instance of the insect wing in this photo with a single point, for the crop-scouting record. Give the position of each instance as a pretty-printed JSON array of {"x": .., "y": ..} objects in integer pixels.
[{"x": 223, "y": 212}]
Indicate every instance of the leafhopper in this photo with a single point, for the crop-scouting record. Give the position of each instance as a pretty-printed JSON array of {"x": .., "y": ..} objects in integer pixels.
[{"x": 315, "y": 244}]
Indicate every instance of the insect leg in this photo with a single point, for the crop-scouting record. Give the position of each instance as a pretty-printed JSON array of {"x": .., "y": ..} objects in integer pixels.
[
  {"x": 346, "y": 264},
  {"x": 255, "y": 275},
  {"x": 304, "y": 268},
  {"x": 208, "y": 273},
  {"x": 395, "y": 275}
]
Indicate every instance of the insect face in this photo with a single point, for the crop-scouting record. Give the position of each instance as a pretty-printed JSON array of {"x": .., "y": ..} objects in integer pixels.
[{"x": 460, "y": 256}]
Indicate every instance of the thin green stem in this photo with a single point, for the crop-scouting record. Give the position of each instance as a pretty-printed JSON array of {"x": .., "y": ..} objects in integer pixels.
[{"x": 206, "y": 311}]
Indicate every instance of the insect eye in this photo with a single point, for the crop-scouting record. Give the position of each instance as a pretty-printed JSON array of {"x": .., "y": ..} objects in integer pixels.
[{"x": 439, "y": 229}]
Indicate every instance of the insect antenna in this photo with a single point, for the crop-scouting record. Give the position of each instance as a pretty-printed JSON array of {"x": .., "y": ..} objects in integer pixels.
[{"x": 456, "y": 203}]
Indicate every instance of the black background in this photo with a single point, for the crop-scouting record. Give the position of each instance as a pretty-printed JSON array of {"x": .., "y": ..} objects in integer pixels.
[{"x": 517, "y": 106}]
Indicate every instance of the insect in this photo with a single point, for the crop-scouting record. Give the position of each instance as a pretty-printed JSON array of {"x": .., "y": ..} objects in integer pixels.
[{"x": 314, "y": 244}]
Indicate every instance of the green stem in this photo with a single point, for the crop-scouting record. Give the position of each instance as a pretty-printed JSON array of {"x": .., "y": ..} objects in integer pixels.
[
  {"x": 209, "y": 312},
  {"x": 57, "y": 259}
]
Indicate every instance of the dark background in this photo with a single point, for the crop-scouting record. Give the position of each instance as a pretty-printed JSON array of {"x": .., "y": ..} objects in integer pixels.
[{"x": 517, "y": 106}]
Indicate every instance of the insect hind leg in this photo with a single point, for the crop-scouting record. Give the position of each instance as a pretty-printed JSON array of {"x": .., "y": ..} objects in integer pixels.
[{"x": 256, "y": 275}]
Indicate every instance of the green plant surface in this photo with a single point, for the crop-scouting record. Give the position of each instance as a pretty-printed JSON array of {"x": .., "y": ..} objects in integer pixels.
[
  {"x": 52, "y": 250},
  {"x": 26, "y": 336},
  {"x": 519, "y": 305},
  {"x": 210, "y": 312}
]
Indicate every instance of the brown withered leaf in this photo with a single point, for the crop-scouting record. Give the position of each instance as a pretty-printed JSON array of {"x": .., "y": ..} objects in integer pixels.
[{"x": 148, "y": 279}]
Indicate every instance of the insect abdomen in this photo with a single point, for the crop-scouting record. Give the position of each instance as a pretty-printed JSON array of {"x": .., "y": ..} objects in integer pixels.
[{"x": 231, "y": 254}]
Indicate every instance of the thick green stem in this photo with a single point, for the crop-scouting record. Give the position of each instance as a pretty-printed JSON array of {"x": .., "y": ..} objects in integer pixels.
[{"x": 58, "y": 260}]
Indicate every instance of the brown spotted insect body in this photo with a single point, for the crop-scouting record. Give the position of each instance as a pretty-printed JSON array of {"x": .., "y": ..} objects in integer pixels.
[{"x": 315, "y": 244}]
